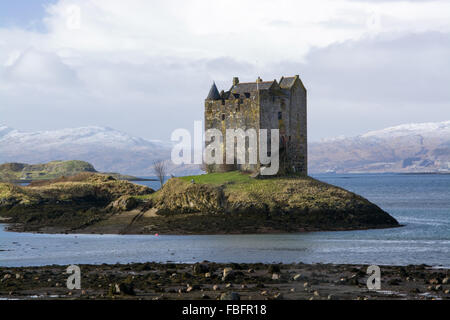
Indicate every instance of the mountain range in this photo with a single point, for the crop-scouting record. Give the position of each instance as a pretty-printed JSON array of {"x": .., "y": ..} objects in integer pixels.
[
  {"x": 423, "y": 147},
  {"x": 108, "y": 150},
  {"x": 417, "y": 147}
]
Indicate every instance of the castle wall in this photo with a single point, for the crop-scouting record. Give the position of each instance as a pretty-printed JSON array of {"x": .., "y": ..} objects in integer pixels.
[
  {"x": 232, "y": 114},
  {"x": 298, "y": 148},
  {"x": 292, "y": 125}
]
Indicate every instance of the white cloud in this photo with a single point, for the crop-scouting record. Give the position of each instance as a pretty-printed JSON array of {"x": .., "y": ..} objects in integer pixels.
[
  {"x": 40, "y": 68},
  {"x": 145, "y": 66}
]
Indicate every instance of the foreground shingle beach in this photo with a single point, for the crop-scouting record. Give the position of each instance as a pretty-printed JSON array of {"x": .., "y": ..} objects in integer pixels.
[{"x": 213, "y": 281}]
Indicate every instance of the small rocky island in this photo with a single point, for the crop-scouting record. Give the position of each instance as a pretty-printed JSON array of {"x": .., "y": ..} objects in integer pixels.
[
  {"x": 215, "y": 203},
  {"x": 24, "y": 173}
]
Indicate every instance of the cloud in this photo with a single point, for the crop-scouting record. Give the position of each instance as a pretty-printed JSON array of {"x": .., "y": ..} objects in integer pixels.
[
  {"x": 376, "y": 82},
  {"x": 39, "y": 68},
  {"x": 144, "y": 67}
]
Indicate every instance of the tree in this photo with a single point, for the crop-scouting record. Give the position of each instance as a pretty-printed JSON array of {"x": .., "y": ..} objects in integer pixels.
[{"x": 160, "y": 168}]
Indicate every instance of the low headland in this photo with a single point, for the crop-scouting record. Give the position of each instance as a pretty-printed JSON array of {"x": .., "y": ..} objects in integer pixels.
[
  {"x": 217, "y": 203},
  {"x": 25, "y": 173}
]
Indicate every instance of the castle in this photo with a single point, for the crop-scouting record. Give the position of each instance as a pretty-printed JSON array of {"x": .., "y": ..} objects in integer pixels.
[{"x": 263, "y": 105}]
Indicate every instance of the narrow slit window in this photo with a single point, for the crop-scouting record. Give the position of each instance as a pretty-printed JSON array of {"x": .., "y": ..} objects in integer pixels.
[{"x": 280, "y": 116}]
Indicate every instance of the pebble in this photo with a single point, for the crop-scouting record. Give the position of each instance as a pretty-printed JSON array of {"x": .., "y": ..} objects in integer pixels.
[
  {"x": 434, "y": 281},
  {"x": 275, "y": 276},
  {"x": 278, "y": 296},
  {"x": 215, "y": 287},
  {"x": 297, "y": 277}
]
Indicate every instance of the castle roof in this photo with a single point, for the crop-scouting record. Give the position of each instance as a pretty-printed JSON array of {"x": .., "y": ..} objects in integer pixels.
[
  {"x": 213, "y": 93},
  {"x": 288, "y": 82},
  {"x": 247, "y": 87}
]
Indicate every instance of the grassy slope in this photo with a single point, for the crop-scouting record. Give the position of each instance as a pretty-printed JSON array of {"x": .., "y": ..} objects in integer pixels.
[{"x": 234, "y": 202}]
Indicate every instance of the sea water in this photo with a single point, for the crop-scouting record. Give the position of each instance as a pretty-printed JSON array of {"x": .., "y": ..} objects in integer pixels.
[{"x": 421, "y": 202}]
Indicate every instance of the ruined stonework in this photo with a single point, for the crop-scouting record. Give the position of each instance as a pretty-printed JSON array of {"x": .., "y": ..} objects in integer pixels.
[{"x": 262, "y": 105}]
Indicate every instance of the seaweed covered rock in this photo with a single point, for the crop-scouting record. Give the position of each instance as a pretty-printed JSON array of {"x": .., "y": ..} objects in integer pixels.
[{"x": 67, "y": 203}]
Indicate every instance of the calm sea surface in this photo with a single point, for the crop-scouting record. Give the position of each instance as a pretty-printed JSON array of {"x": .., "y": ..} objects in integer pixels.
[{"x": 420, "y": 202}]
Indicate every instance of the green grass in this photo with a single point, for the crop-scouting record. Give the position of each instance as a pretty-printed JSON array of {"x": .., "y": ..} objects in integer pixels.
[
  {"x": 220, "y": 178},
  {"x": 145, "y": 196}
]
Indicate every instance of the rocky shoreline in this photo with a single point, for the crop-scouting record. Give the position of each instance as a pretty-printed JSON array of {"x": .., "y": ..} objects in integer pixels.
[{"x": 231, "y": 281}]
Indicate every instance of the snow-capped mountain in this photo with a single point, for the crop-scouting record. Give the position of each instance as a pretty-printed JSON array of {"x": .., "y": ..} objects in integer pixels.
[
  {"x": 428, "y": 129},
  {"x": 107, "y": 149},
  {"x": 79, "y": 136},
  {"x": 417, "y": 147},
  {"x": 421, "y": 147}
]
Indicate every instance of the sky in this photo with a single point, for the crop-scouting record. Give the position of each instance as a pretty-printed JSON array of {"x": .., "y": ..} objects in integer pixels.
[{"x": 145, "y": 66}]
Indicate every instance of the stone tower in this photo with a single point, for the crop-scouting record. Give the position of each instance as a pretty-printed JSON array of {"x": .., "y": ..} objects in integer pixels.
[{"x": 263, "y": 105}]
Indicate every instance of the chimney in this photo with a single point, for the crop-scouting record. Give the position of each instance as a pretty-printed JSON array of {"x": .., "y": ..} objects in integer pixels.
[{"x": 235, "y": 81}]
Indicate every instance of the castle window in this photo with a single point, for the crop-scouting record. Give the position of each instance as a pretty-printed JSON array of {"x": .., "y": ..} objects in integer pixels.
[
  {"x": 280, "y": 116},
  {"x": 289, "y": 138},
  {"x": 223, "y": 102},
  {"x": 247, "y": 95},
  {"x": 223, "y": 116}
]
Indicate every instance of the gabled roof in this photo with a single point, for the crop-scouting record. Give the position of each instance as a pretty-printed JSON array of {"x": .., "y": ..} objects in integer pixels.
[
  {"x": 213, "y": 93},
  {"x": 287, "y": 83},
  {"x": 247, "y": 87}
]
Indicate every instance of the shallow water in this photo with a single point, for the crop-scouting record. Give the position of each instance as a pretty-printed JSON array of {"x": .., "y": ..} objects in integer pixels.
[{"x": 420, "y": 202}]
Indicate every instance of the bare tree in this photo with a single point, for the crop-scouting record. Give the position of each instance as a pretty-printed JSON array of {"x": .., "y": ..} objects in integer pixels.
[{"x": 160, "y": 168}]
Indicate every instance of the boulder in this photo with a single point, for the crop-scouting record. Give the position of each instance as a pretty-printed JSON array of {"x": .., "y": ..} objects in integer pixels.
[
  {"x": 200, "y": 268},
  {"x": 228, "y": 274},
  {"x": 233, "y": 296},
  {"x": 124, "y": 203}
]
